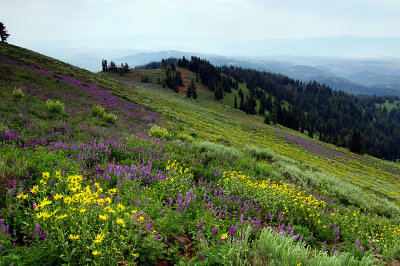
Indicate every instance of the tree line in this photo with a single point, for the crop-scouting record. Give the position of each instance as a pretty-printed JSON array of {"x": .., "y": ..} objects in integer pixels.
[
  {"x": 357, "y": 122},
  {"x": 113, "y": 68}
]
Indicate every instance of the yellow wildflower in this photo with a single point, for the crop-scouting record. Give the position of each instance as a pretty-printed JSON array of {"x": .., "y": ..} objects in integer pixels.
[
  {"x": 22, "y": 196},
  {"x": 95, "y": 252},
  {"x": 121, "y": 222},
  {"x": 58, "y": 196},
  {"x": 112, "y": 191},
  {"x": 103, "y": 217},
  {"x": 45, "y": 175},
  {"x": 224, "y": 236},
  {"x": 82, "y": 210},
  {"x": 74, "y": 237},
  {"x": 99, "y": 238},
  {"x": 141, "y": 218},
  {"x": 61, "y": 216},
  {"x": 35, "y": 189}
]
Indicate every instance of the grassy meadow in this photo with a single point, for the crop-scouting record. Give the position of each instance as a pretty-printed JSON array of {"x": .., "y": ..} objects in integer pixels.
[{"x": 104, "y": 169}]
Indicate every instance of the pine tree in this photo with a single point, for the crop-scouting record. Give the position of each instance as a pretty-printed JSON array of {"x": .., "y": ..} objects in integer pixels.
[
  {"x": 235, "y": 103},
  {"x": 3, "y": 32},
  {"x": 356, "y": 142}
]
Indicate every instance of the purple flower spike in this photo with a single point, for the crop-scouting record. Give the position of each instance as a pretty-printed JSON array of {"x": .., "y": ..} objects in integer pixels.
[
  {"x": 157, "y": 237},
  {"x": 214, "y": 232},
  {"x": 37, "y": 229},
  {"x": 201, "y": 226},
  {"x": 372, "y": 243},
  {"x": 163, "y": 213},
  {"x": 361, "y": 249},
  {"x": 358, "y": 243},
  {"x": 202, "y": 257}
]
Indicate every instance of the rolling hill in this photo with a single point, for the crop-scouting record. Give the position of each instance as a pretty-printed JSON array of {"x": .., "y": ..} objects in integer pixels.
[{"x": 102, "y": 168}]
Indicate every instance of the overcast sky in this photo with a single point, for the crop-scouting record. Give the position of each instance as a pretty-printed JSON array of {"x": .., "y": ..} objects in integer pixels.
[{"x": 49, "y": 20}]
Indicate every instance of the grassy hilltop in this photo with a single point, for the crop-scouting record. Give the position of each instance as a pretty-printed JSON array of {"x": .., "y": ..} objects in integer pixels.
[{"x": 104, "y": 169}]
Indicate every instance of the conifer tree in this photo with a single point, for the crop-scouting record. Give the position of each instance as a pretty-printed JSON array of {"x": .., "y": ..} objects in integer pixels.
[
  {"x": 356, "y": 142},
  {"x": 235, "y": 103},
  {"x": 3, "y": 32}
]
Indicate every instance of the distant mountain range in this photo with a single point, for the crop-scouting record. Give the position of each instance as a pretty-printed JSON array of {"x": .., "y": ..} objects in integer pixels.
[{"x": 373, "y": 72}]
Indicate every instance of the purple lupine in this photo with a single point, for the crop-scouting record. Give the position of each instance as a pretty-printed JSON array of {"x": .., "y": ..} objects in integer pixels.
[
  {"x": 214, "y": 232},
  {"x": 358, "y": 243},
  {"x": 163, "y": 213},
  {"x": 37, "y": 229},
  {"x": 376, "y": 250},
  {"x": 43, "y": 235},
  {"x": 140, "y": 232},
  {"x": 148, "y": 226},
  {"x": 281, "y": 216},
  {"x": 311, "y": 236},
  {"x": 296, "y": 237},
  {"x": 361, "y": 249},
  {"x": 372, "y": 243},
  {"x": 157, "y": 237},
  {"x": 202, "y": 257},
  {"x": 165, "y": 239},
  {"x": 170, "y": 202},
  {"x": 201, "y": 226}
]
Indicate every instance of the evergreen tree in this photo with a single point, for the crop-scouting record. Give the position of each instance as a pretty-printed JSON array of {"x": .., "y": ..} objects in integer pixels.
[
  {"x": 3, "y": 32},
  {"x": 235, "y": 103},
  {"x": 356, "y": 142},
  {"x": 267, "y": 120}
]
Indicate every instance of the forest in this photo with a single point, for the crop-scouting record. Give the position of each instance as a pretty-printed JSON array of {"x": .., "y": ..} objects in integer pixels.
[{"x": 361, "y": 123}]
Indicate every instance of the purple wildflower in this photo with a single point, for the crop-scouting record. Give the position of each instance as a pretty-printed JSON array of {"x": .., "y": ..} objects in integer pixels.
[
  {"x": 157, "y": 237},
  {"x": 202, "y": 257},
  {"x": 201, "y": 226},
  {"x": 37, "y": 229},
  {"x": 163, "y": 213},
  {"x": 214, "y": 232}
]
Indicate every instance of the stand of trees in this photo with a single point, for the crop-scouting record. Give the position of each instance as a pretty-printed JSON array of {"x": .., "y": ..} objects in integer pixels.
[
  {"x": 173, "y": 79},
  {"x": 354, "y": 121},
  {"x": 112, "y": 67}
]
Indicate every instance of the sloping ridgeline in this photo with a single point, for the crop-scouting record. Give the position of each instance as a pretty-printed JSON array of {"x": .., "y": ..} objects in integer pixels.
[{"x": 336, "y": 117}]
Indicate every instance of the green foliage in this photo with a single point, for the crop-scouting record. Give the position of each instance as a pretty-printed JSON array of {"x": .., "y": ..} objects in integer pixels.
[
  {"x": 160, "y": 133},
  {"x": 110, "y": 118},
  {"x": 209, "y": 151},
  {"x": 17, "y": 93},
  {"x": 261, "y": 153},
  {"x": 98, "y": 111},
  {"x": 54, "y": 106}
]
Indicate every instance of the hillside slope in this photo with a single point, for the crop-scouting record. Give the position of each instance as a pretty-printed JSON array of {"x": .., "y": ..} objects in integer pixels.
[{"x": 168, "y": 180}]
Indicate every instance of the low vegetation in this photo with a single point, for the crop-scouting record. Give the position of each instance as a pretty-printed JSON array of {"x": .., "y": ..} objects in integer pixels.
[{"x": 174, "y": 180}]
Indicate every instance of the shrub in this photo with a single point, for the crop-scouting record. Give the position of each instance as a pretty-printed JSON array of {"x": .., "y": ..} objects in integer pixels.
[
  {"x": 17, "y": 93},
  {"x": 160, "y": 133},
  {"x": 261, "y": 153},
  {"x": 54, "y": 106},
  {"x": 110, "y": 118},
  {"x": 97, "y": 111},
  {"x": 210, "y": 151}
]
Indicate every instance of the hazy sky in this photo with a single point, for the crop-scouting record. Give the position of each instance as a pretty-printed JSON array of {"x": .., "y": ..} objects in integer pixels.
[{"x": 46, "y": 20}]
